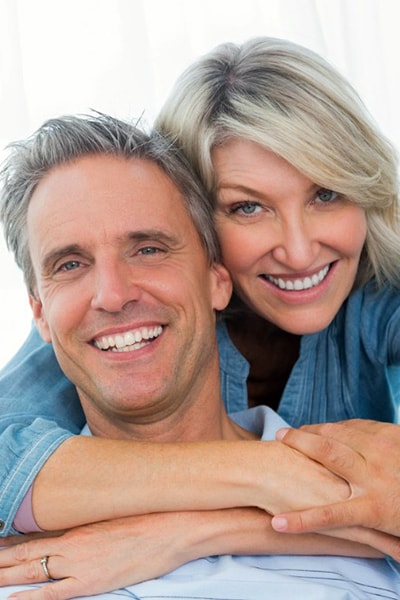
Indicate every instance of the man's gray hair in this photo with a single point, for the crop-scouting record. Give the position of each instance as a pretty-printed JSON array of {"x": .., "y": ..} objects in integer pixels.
[{"x": 65, "y": 139}]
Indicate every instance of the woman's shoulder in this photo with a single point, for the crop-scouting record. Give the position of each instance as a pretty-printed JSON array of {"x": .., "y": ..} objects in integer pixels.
[{"x": 373, "y": 300}]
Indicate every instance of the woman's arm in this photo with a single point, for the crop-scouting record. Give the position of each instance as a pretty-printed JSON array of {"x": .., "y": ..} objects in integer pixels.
[
  {"x": 108, "y": 479},
  {"x": 195, "y": 476},
  {"x": 39, "y": 409}
]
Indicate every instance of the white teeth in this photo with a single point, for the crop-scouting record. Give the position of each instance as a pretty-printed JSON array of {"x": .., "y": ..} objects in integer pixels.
[
  {"x": 281, "y": 284},
  {"x": 120, "y": 341},
  {"x": 299, "y": 284},
  {"x": 307, "y": 283},
  {"x": 315, "y": 280},
  {"x": 131, "y": 340}
]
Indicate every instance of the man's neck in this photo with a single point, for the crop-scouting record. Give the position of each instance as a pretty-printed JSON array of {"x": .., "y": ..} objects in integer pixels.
[
  {"x": 199, "y": 423},
  {"x": 187, "y": 414}
]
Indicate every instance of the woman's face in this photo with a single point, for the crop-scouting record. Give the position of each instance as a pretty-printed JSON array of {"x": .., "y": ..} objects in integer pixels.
[{"x": 291, "y": 247}]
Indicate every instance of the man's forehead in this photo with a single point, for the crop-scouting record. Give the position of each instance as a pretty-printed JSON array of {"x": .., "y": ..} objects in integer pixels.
[
  {"x": 106, "y": 176},
  {"x": 104, "y": 197},
  {"x": 82, "y": 168}
]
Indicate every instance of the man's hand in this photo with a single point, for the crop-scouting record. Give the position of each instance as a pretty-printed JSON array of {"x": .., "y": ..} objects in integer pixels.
[
  {"x": 367, "y": 455},
  {"x": 97, "y": 558}
]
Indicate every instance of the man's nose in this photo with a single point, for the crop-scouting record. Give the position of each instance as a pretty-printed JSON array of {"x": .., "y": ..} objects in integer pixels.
[{"x": 114, "y": 287}]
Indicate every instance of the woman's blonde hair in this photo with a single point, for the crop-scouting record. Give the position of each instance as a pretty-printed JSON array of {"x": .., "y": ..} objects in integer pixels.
[{"x": 291, "y": 101}]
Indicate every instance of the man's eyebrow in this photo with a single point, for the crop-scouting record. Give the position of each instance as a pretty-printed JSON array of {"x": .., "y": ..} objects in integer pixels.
[
  {"x": 50, "y": 258},
  {"x": 146, "y": 235},
  {"x": 151, "y": 234}
]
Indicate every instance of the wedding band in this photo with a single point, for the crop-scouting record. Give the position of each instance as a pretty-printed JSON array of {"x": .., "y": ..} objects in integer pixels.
[{"x": 43, "y": 562}]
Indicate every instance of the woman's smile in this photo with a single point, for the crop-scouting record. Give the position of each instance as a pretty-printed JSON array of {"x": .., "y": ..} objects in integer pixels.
[{"x": 292, "y": 247}]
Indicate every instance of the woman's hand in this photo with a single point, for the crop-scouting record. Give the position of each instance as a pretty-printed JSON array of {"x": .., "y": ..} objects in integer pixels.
[
  {"x": 288, "y": 480},
  {"x": 367, "y": 455}
]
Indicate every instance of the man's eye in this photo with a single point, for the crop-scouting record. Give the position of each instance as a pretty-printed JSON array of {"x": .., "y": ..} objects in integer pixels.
[
  {"x": 69, "y": 265},
  {"x": 149, "y": 250},
  {"x": 325, "y": 195}
]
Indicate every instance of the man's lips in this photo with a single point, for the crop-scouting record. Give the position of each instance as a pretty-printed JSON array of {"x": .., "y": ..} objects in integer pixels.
[
  {"x": 299, "y": 283},
  {"x": 127, "y": 341}
]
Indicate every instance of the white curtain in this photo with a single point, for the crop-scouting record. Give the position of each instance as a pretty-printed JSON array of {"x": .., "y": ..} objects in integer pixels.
[{"x": 122, "y": 56}]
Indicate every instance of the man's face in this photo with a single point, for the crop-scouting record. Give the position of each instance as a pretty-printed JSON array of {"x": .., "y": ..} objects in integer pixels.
[{"x": 124, "y": 291}]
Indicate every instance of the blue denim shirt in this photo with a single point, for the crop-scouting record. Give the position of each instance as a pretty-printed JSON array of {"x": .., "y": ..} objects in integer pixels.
[
  {"x": 349, "y": 370},
  {"x": 342, "y": 372}
]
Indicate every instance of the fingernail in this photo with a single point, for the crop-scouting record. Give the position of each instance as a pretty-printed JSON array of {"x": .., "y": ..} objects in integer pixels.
[
  {"x": 280, "y": 434},
  {"x": 279, "y": 523}
]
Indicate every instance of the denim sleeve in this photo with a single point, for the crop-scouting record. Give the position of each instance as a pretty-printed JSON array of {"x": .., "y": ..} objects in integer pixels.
[{"x": 39, "y": 409}]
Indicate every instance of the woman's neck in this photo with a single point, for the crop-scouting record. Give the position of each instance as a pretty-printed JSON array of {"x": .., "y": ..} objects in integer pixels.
[{"x": 270, "y": 351}]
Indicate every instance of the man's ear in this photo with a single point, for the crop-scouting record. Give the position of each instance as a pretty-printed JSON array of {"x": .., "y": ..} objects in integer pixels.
[
  {"x": 221, "y": 289},
  {"x": 39, "y": 318}
]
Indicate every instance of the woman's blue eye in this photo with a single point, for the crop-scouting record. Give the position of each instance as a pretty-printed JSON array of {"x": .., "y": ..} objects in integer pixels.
[
  {"x": 325, "y": 195},
  {"x": 246, "y": 208}
]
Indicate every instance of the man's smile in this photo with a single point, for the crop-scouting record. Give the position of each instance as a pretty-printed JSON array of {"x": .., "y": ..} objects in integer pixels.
[{"x": 128, "y": 341}]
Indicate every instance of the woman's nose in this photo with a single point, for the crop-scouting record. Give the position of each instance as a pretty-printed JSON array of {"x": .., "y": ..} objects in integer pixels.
[{"x": 296, "y": 246}]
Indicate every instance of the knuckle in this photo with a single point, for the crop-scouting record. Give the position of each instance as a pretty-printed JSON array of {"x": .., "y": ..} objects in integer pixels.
[
  {"x": 338, "y": 455},
  {"x": 328, "y": 429},
  {"x": 47, "y": 593},
  {"x": 329, "y": 450},
  {"x": 50, "y": 592},
  {"x": 299, "y": 524},
  {"x": 21, "y": 552},
  {"x": 326, "y": 447},
  {"x": 33, "y": 571},
  {"x": 325, "y": 516}
]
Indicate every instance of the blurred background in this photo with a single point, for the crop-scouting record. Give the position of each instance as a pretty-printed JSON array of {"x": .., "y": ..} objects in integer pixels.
[{"x": 122, "y": 57}]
